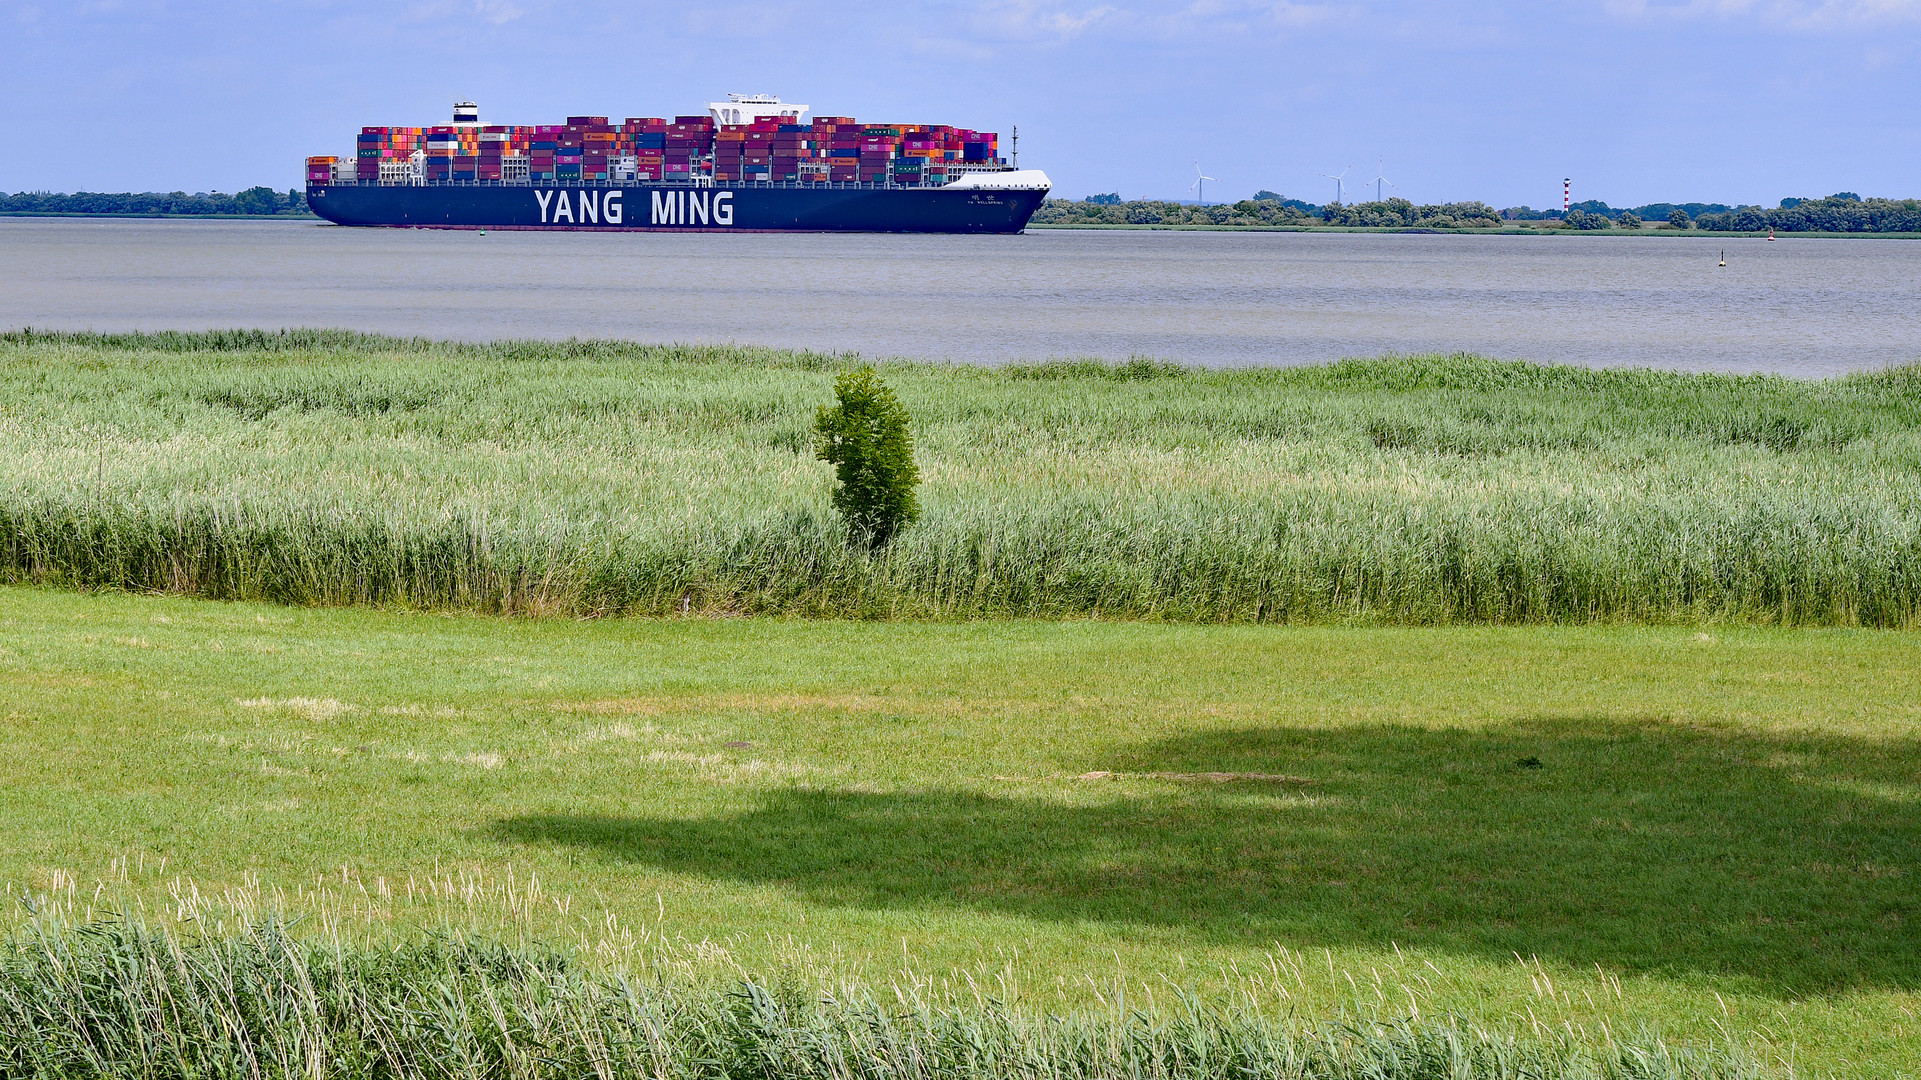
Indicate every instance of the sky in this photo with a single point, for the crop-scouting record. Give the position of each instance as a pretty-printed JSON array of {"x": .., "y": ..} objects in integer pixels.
[{"x": 1637, "y": 101}]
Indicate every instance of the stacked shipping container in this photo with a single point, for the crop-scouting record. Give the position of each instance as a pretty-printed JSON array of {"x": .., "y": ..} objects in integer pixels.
[
  {"x": 379, "y": 149},
  {"x": 589, "y": 149},
  {"x": 838, "y": 149}
]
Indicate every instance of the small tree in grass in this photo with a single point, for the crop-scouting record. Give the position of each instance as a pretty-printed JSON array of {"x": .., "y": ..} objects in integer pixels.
[{"x": 865, "y": 438}]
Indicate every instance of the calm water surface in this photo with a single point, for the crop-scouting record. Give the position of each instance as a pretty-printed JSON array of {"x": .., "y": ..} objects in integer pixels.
[{"x": 1802, "y": 307}]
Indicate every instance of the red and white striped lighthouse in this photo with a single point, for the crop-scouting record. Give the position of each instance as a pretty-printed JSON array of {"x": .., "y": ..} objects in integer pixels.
[{"x": 1567, "y": 194}]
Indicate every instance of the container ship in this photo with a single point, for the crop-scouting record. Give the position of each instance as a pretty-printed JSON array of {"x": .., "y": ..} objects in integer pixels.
[{"x": 752, "y": 163}]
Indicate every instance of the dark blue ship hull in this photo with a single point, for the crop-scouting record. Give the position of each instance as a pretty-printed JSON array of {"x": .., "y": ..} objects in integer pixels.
[{"x": 751, "y": 207}]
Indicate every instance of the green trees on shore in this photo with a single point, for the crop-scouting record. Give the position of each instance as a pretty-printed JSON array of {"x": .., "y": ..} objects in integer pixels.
[
  {"x": 258, "y": 201},
  {"x": 1400, "y": 213},
  {"x": 1270, "y": 209},
  {"x": 1836, "y": 213},
  {"x": 1845, "y": 212},
  {"x": 1155, "y": 212}
]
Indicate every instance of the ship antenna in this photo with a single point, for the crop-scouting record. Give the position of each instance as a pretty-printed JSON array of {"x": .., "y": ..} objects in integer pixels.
[{"x": 1017, "y": 146}]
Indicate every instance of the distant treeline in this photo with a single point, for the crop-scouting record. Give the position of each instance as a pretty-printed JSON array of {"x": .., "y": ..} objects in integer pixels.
[
  {"x": 1843, "y": 212},
  {"x": 1656, "y": 212},
  {"x": 260, "y": 201},
  {"x": 1836, "y": 213},
  {"x": 1267, "y": 208}
]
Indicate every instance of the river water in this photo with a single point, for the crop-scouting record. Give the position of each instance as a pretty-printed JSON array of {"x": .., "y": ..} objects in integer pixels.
[{"x": 1799, "y": 307}]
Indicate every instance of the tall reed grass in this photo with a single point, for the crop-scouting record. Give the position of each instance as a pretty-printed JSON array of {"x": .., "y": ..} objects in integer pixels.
[
  {"x": 119, "y": 997},
  {"x": 591, "y": 478}
]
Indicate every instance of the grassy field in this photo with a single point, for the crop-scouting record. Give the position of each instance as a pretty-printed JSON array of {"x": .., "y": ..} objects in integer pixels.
[
  {"x": 1709, "y": 833},
  {"x": 602, "y": 478}
]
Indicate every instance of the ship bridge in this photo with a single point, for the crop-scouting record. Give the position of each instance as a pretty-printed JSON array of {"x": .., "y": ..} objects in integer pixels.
[{"x": 747, "y": 108}]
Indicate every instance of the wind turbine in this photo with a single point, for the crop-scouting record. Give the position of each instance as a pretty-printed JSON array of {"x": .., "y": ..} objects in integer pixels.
[
  {"x": 1339, "y": 179},
  {"x": 1380, "y": 178},
  {"x": 1198, "y": 187}
]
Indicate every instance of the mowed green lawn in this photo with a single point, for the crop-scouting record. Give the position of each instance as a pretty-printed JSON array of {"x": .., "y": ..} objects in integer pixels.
[{"x": 1685, "y": 829}]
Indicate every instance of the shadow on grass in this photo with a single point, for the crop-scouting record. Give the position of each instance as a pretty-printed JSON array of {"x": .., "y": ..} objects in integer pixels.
[{"x": 1792, "y": 862}]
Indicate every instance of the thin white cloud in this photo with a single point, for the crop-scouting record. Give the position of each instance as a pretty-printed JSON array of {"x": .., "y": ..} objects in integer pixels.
[
  {"x": 981, "y": 30},
  {"x": 1026, "y": 20},
  {"x": 497, "y": 12},
  {"x": 1782, "y": 14},
  {"x": 1008, "y": 21},
  {"x": 1289, "y": 14},
  {"x": 1216, "y": 18}
]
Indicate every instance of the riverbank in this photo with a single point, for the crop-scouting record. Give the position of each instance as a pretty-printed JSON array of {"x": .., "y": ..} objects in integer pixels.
[
  {"x": 606, "y": 478},
  {"x": 1520, "y": 230}
]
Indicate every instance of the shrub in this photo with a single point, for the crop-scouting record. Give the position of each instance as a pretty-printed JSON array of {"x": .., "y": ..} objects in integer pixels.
[
  {"x": 1678, "y": 219},
  {"x": 865, "y": 438}
]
